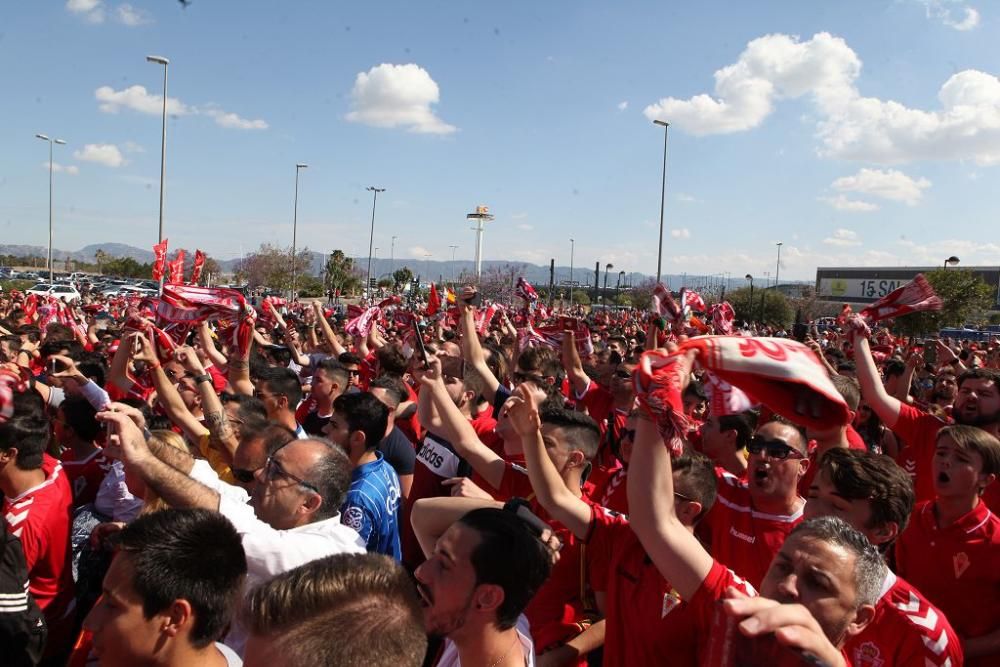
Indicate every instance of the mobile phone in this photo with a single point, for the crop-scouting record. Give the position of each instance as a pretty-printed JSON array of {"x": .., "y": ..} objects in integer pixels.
[
  {"x": 475, "y": 300},
  {"x": 136, "y": 344},
  {"x": 420, "y": 343},
  {"x": 930, "y": 350}
]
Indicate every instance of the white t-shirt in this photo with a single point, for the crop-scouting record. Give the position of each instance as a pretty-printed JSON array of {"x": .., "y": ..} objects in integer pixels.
[{"x": 449, "y": 656}]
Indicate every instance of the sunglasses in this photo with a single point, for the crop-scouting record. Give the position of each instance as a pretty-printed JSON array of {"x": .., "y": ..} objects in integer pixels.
[
  {"x": 243, "y": 475},
  {"x": 776, "y": 449},
  {"x": 624, "y": 375},
  {"x": 273, "y": 468},
  {"x": 520, "y": 377}
]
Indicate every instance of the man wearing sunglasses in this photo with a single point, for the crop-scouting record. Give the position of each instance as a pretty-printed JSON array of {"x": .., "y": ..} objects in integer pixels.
[
  {"x": 293, "y": 516},
  {"x": 752, "y": 517}
]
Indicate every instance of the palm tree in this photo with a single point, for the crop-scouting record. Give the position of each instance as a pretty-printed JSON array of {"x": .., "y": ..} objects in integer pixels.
[{"x": 100, "y": 257}]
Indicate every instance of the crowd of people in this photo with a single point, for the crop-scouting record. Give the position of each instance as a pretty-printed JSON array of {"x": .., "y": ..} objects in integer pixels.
[{"x": 191, "y": 480}]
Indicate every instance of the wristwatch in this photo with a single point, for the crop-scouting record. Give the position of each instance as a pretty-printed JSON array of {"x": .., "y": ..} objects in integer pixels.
[{"x": 198, "y": 379}]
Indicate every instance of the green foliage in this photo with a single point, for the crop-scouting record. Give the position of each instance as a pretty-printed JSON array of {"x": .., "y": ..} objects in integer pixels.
[
  {"x": 966, "y": 298},
  {"x": 777, "y": 310},
  {"x": 271, "y": 267},
  {"x": 309, "y": 287},
  {"x": 126, "y": 267},
  {"x": 401, "y": 276},
  {"x": 341, "y": 273},
  {"x": 623, "y": 299}
]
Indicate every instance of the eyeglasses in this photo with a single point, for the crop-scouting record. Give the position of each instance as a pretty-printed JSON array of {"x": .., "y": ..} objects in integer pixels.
[
  {"x": 354, "y": 372},
  {"x": 273, "y": 468},
  {"x": 623, "y": 374},
  {"x": 520, "y": 377},
  {"x": 687, "y": 498},
  {"x": 776, "y": 449}
]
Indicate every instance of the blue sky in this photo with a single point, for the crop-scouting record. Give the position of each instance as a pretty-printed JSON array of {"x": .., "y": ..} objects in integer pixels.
[{"x": 854, "y": 132}]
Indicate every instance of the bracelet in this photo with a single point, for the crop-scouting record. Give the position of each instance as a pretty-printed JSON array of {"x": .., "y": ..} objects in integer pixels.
[
  {"x": 154, "y": 365},
  {"x": 198, "y": 379}
]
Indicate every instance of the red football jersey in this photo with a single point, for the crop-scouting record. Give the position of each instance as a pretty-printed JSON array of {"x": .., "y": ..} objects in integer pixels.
[
  {"x": 42, "y": 517},
  {"x": 742, "y": 538},
  {"x": 613, "y": 492},
  {"x": 919, "y": 432},
  {"x": 646, "y": 618},
  {"x": 957, "y": 568},
  {"x": 906, "y": 630},
  {"x": 85, "y": 475}
]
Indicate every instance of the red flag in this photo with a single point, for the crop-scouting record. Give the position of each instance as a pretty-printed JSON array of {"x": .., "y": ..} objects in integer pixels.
[
  {"x": 433, "y": 301},
  {"x": 199, "y": 262},
  {"x": 177, "y": 269},
  {"x": 160, "y": 261}
]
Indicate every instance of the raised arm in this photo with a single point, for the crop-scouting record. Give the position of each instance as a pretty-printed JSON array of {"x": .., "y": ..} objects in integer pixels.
[
  {"x": 885, "y": 406},
  {"x": 431, "y": 517},
  {"x": 332, "y": 342},
  {"x": 458, "y": 430},
  {"x": 167, "y": 394},
  {"x": 208, "y": 345},
  {"x": 118, "y": 374},
  {"x": 238, "y": 371},
  {"x": 550, "y": 489},
  {"x": 472, "y": 349},
  {"x": 221, "y": 436},
  {"x": 578, "y": 379}
]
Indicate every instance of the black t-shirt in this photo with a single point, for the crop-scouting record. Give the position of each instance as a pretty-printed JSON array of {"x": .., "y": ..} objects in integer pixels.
[
  {"x": 313, "y": 424},
  {"x": 398, "y": 451}
]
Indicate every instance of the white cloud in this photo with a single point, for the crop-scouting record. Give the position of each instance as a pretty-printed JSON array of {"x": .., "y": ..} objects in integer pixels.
[
  {"x": 92, "y": 11},
  {"x": 132, "y": 147},
  {"x": 130, "y": 16},
  {"x": 843, "y": 237},
  {"x": 525, "y": 227},
  {"x": 397, "y": 96},
  {"x": 138, "y": 99},
  {"x": 57, "y": 168},
  {"x": 941, "y": 10},
  {"x": 843, "y": 203},
  {"x": 682, "y": 233},
  {"x": 233, "y": 121},
  {"x": 419, "y": 252},
  {"x": 681, "y": 196},
  {"x": 887, "y": 184},
  {"x": 623, "y": 105},
  {"x": 106, "y": 154},
  {"x": 824, "y": 69}
]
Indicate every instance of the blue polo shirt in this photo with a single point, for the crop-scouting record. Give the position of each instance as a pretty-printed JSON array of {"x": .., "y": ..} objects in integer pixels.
[{"x": 372, "y": 506}]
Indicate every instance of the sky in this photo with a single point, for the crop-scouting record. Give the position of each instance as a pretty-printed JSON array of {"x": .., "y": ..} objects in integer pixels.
[{"x": 853, "y": 132}]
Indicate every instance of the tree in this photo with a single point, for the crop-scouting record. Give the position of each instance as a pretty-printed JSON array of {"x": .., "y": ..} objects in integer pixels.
[
  {"x": 776, "y": 308},
  {"x": 271, "y": 267},
  {"x": 400, "y": 277},
  {"x": 341, "y": 273},
  {"x": 964, "y": 295},
  {"x": 126, "y": 267},
  {"x": 100, "y": 257}
]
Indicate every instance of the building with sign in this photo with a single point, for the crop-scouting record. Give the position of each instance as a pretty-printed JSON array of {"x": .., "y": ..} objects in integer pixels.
[{"x": 865, "y": 284}]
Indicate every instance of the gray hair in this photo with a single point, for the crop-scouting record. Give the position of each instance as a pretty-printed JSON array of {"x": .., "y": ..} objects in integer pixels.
[
  {"x": 869, "y": 567},
  {"x": 331, "y": 474}
]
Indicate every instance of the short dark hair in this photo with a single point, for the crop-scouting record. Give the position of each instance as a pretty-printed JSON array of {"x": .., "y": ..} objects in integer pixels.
[
  {"x": 27, "y": 430},
  {"x": 363, "y": 412},
  {"x": 393, "y": 386},
  {"x": 540, "y": 360},
  {"x": 849, "y": 389},
  {"x": 991, "y": 374},
  {"x": 695, "y": 478},
  {"x": 80, "y": 416},
  {"x": 510, "y": 556},
  {"x": 283, "y": 381},
  {"x": 861, "y": 475},
  {"x": 743, "y": 423},
  {"x": 366, "y": 600},
  {"x": 349, "y": 358},
  {"x": 190, "y": 554},
  {"x": 391, "y": 360},
  {"x": 336, "y": 370},
  {"x": 582, "y": 431},
  {"x": 894, "y": 367},
  {"x": 331, "y": 474}
]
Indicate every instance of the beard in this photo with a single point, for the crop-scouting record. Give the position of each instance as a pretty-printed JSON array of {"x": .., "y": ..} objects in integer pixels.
[
  {"x": 981, "y": 420},
  {"x": 451, "y": 622}
]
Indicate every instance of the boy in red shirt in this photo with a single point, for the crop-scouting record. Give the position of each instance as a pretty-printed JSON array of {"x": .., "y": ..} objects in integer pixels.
[{"x": 951, "y": 549}]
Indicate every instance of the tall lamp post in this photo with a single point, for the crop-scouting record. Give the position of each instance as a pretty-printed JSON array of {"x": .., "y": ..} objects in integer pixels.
[
  {"x": 160, "y": 60},
  {"x": 663, "y": 194},
  {"x": 392, "y": 255},
  {"x": 453, "y": 249},
  {"x": 44, "y": 137},
  {"x": 371, "y": 238},
  {"x": 572, "y": 248},
  {"x": 750, "y": 278},
  {"x": 777, "y": 269},
  {"x": 295, "y": 224},
  {"x": 951, "y": 260},
  {"x": 607, "y": 267}
]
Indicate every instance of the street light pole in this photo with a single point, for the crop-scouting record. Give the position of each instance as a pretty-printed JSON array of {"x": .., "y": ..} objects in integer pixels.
[
  {"x": 371, "y": 238},
  {"x": 61, "y": 143},
  {"x": 951, "y": 260},
  {"x": 750, "y": 278},
  {"x": 453, "y": 249},
  {"x": 295, "y": 225},
  {"x": 777, "y": 269},
  {"x": 663, "y": 194},
  {"x": 607, "y": 267},
  {"x": 392, "y": 255},
  {"x": 160, "y": 60},
  {"x": 572, "y": 248}
]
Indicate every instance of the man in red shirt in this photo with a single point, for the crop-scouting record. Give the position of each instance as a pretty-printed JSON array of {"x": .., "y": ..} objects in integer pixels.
[
  {"x": 951, "y": 549},
  {"x": 875, "y": 496},
  {"x": 751, "y": 518},
  {"x": 38, "y": 507},
  {"x": 977, "y": 404},
  {"x": 76, "y": 430},
  {"x": 645, "y": 617}
]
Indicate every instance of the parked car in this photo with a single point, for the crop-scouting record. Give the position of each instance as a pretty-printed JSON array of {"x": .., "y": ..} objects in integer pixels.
[{"x": 66, "y": 293}]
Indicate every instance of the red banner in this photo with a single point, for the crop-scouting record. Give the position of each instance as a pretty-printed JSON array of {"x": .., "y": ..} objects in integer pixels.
[
  {"x": 177, "y": 269},
  {"x": 160, "y": 261},
  {"x": 199, "y": 263}
]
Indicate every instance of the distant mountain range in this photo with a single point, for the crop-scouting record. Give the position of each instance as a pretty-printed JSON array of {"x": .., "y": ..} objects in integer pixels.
[{"x": 439, "y": 270}]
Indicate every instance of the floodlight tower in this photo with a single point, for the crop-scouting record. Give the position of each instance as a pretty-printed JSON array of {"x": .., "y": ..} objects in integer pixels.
[{"x": 480, "y": 216}]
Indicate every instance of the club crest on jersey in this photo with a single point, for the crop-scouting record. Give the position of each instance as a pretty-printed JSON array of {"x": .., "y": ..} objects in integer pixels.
[
  {"x": 961, "y": 563},
  {"x": 671, "y": 601},
  {"x": 868, "y": 655}
]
